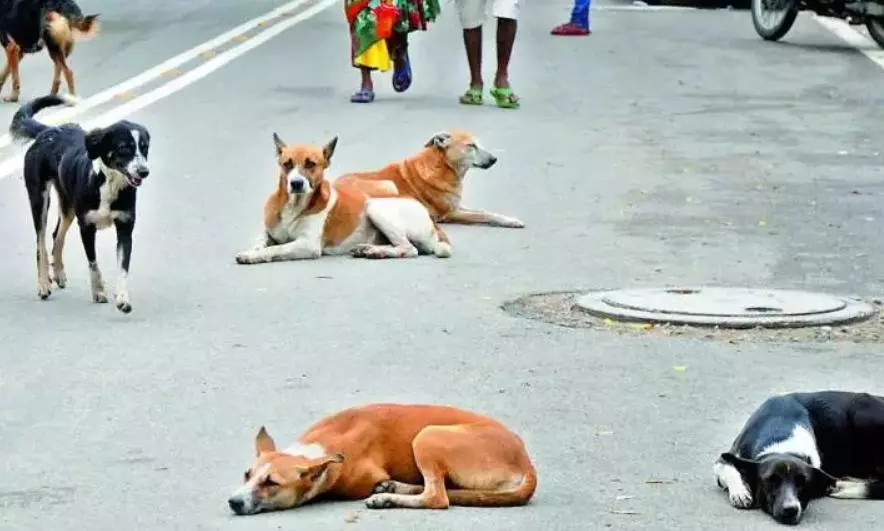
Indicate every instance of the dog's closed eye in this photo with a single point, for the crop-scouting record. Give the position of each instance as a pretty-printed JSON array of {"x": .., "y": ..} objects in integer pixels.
[{"x": 309, "y": 164}]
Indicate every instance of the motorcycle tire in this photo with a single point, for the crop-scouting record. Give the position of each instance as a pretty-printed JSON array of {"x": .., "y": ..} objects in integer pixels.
[
  {"x": 776, "y": 31},
  {"x": 876, "y": 30}
]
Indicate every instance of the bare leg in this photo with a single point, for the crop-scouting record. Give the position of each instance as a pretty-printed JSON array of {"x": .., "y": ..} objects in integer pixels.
[
  {"x": 506, "y": 38},
  {"x": 472, "y": 40},
  {"x": 367, "y": 83}
]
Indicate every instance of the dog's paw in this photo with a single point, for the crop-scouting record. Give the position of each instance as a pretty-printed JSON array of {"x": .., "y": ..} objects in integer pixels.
[
  {"x": 740, "y": 497},
  {"x": 44, "y": 290},
  {"x": 60, "y": 278},
  {"x": 362, "y": 250},
  {"x": 388, "y": 487},
  {"x": 512, "y": 223},
  {"x": 99, "y": 297},
  {"x": 247, "y": 257},
  {"x": 123, "y": 303},
  {"x": 380, "y": 501},
  {"x": 849, "y": 490}
]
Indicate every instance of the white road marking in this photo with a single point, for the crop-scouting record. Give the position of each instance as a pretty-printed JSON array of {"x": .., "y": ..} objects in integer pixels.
[
  {"x": 158, "y": 70},
  {"x": 857, "y": 40},
  {"x": 15, "y": 161}
]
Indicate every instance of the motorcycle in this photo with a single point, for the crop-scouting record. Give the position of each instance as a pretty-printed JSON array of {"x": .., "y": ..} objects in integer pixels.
[{"x": 774, "y": 18}]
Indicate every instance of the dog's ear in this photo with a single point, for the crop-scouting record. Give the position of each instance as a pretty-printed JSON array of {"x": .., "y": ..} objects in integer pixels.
[
  {"x": 747, "y": 467},
  {"x": 279, "y": 144},
  {"x": 329, "y": 149},
  {"x": 316, "y": 468},
  {"x": 821, "y": 483},
  {"x": 440, "y": 140},
  {"x": 94, "y": 140},
  {"x": 264, "y": 442}
]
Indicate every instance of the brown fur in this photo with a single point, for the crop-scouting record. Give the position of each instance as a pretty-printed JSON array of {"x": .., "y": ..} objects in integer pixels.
[
  {"x": 64, "y": 33},
  {"x": 415, "y": 456},
  {"x": 425, "y": 176},
  {"x": 434, "y": 176}
]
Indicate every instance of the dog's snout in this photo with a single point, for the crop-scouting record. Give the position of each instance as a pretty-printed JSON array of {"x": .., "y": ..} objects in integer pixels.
[
  {"x": 491, "y": 160},
  {"x": 237, "y": 505},
  {"x": 143, "y": 172},
  {"x": 297, "y": 185},
  {"x": 790, "y": 514}
]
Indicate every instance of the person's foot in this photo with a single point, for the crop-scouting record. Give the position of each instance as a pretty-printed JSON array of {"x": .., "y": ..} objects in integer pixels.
[
  {"x": 504, "y": 97},
  {"x": 401, "y": 69},
  {"x": 473, "y": 96},
  {"x": 570, "y": 30},
  {"x": 363, "y": 95}
]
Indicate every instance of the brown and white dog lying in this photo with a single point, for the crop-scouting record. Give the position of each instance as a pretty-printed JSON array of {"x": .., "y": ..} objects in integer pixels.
[
  {"x": 308, "y": 216},
  {"x": 400, "y": 455},
  {"x": 434, "y": 176}
]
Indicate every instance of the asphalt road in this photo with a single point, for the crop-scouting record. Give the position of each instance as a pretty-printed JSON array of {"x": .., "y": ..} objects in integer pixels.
[{"x": 669, "y": 147}]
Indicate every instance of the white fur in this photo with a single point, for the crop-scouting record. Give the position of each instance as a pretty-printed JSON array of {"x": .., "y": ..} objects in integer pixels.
[
  {"x": 246, "y": 491},
  {"x": 729, "y": 478},
  {"x": 850, "y": 490},
  {"x": 103, "y": 217},
  {"x": 310, "y": 451},
  {"x": 800, "y": 442},
  {"x": 403, "y": 221},
  {"x": 139, "y": 161},
  {"x": 122, "y": 293}
]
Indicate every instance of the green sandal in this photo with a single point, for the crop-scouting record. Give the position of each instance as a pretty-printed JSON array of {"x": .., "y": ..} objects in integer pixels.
[
  {"x": 505, "y": 98},
  {"x": 472, "y": 96}
]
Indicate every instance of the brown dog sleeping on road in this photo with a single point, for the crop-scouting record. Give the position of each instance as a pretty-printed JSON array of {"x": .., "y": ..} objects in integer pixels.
[
  {"x": 434, "y": 176},
  {"x": 408, "y": 456}
]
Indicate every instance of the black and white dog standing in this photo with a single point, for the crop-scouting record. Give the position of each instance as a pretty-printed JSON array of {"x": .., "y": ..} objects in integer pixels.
[
  {"x": 777, "y": 460},
  {"x": 95, "y": 175}
]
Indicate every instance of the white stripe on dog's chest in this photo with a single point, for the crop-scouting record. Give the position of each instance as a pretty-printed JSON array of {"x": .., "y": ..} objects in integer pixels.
[{"x": 103, "y": 217}]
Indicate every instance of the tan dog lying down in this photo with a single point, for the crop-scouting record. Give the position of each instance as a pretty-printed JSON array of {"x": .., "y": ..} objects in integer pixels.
[
  {"x": 308, "y": 216},
  {"x": 410, "y": 456},
  {"x": 434, "y": 176}
]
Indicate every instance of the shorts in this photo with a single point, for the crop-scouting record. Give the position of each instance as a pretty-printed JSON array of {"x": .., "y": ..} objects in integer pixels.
[{"x": 472, "y": 12}]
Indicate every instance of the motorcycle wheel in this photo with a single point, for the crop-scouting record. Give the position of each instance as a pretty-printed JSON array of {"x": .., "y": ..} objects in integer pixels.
[
  {"x": 876, "y": 30},
  {"x": 773, "y": 18}
]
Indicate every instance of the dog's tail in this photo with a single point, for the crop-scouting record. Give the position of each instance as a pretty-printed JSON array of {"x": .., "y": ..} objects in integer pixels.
[
  {"x": 24, "y": 126},
  {"x": 497, "y": 498},
  {"x": 443, "y": 245},
  {"x": 858, "y": 490},
  {"x": 64, "y": 30}
]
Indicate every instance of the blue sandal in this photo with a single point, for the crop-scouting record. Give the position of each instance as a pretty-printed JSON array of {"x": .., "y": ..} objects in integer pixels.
[
  {"x": 362, "y": 96},
  {"x": 402, "y": 76}
]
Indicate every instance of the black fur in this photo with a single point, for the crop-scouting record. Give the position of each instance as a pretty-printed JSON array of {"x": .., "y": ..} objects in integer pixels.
[
  {"x": 848, "y": 430},
  {"x": 78, "y": 164}
]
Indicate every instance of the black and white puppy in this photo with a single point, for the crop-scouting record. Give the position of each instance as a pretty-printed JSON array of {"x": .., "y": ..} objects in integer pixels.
[
  {"x": 95, "y": 175},
  {"x": 777, "y": 460}
]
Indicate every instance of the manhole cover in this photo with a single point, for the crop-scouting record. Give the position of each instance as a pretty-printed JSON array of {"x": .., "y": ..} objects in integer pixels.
[{"x": 725, "y": 307}]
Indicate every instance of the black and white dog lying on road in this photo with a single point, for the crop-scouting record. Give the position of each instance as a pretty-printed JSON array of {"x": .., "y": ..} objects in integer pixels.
[
  {"x": 95, "y": 175},
  {"x": 777, "y": 462}
]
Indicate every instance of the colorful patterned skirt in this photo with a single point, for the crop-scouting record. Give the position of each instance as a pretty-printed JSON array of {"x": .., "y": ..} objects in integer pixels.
[{"x": 369, "y": 50}]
